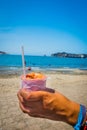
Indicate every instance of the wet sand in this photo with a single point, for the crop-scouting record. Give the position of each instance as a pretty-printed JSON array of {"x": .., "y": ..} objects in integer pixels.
[{"x": 73, "y": 85}]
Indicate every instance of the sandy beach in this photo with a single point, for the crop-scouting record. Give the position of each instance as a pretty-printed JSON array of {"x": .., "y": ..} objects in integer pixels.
[{"x": 73, "y": 85}]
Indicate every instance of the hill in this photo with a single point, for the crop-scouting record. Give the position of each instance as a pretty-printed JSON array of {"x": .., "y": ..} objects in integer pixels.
[
  {"x": 69, "y": 55},
  {"x": 2, "y": 52}
]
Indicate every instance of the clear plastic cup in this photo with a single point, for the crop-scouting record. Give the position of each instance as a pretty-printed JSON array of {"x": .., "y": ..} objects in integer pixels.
[{"x": 33, "y": 81}]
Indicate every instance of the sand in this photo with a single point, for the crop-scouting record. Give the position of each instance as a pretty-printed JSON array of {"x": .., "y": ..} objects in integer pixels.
[{"x": 73, "y": 85}]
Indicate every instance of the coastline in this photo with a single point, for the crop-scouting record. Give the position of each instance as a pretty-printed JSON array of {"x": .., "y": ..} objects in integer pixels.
[
  {"x": 72, "y": 84},
  {"x": 19, "y": 70}
]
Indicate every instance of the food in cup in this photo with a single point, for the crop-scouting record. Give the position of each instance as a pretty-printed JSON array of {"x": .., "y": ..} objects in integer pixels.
[{"x": 34, "y": 81}]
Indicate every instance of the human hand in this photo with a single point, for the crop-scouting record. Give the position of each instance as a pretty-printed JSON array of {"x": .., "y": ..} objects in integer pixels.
[{"x": 54, "y": 106}]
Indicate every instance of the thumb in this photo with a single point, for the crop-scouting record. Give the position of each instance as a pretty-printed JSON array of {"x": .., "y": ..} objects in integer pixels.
[
  {"x": 32, "y": 95},
  {"x": 48, "y": 90}
]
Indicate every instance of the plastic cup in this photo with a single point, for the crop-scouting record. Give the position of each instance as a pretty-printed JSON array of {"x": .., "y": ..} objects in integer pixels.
[{"x": 33, "y": 81}]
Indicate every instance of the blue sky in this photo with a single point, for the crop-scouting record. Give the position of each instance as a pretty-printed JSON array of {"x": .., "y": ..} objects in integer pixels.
[{"x": 43, "y": 26}]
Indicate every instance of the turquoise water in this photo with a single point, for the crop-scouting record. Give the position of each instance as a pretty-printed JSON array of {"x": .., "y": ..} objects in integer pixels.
[{"x": 42, "y": 62}]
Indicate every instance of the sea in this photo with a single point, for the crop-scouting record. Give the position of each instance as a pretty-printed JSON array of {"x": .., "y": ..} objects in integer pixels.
[{"x": 13, "y": 63}]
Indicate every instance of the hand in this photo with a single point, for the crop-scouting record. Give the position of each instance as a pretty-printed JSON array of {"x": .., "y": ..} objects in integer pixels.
[{"x": 54, "y": 106}]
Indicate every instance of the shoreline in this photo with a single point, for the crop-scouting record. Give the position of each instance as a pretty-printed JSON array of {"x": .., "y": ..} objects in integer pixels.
[{"x": 19, "y": 70}]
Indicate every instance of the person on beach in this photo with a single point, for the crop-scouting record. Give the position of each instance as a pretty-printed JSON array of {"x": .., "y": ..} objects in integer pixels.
[{"x": 54, "y": 106}]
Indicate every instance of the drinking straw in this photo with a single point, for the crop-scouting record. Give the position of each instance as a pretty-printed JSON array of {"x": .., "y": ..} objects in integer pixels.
[{"x": 23, "y": 61}]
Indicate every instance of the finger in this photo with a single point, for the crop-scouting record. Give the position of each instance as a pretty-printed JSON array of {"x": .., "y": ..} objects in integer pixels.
[
  {"x": 32, "y": 95},
  {"x": 22, "y": 100},
  {"x": 39, "y": 115},
  {"x": 23, "y": 108},
  {"x": 32, "y": 115},
  {"x": 20, "y": 97}
]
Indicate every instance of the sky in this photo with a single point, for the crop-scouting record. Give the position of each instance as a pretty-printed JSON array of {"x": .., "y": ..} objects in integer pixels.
[{"x": 43, "y": 26}]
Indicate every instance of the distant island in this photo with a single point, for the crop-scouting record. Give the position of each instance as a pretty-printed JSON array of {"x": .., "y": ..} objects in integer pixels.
[
  {"x": 69, "y": 55},
  {"x": 2, "y": 52}
]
